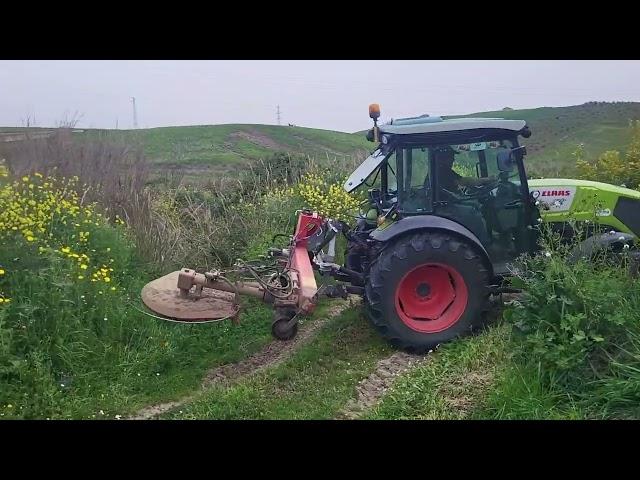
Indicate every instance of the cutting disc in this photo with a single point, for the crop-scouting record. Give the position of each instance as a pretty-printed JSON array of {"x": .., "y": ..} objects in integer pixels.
[{"x": 162, "y": 296}]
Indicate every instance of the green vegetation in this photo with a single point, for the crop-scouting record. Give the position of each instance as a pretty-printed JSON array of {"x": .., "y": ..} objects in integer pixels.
[
  {"x": 74, "y": 343},
  {"x": 577, "y": 328},
  {"x": 216, "y": 151},
  {"x": 315, "y": 383},
  {"x": 612, "y": 166},
  {"x": 450, "y": 385},
  {"x": 557, "y": 131}
]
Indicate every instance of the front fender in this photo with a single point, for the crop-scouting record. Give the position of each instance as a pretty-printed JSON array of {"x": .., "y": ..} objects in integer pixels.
[{"x": 595, "y": 243}]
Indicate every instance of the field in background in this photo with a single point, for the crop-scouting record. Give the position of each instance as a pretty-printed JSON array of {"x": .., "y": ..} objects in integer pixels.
[
  {"x": 213, "y": 151},
  {"x": 557, "y": 131}
]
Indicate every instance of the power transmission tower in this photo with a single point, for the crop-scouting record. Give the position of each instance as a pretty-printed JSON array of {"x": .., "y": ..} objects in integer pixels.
[
  {"x": 278, "y": 114},
  {"x": 135, "y": 113}
]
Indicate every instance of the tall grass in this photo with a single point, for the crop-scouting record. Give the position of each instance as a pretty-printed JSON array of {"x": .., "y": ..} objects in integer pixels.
[
  {"x": 73, "y": 342},
  {"x": 173, "y": 224},
  {"x": 577, "y": 326}
]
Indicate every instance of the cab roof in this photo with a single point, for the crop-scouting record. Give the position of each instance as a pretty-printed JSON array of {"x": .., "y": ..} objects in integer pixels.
[{"x": 426, "y": 125}]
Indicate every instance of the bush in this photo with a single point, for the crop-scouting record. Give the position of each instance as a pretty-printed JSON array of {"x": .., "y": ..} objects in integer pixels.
[
  {"x": 612, "y": 166},
  {"x": 577, "y": 323},
  {"x": 327, "y": 196}
]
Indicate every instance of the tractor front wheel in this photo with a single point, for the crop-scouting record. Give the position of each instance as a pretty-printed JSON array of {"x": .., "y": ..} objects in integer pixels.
[{"x": 426, "y": 289}]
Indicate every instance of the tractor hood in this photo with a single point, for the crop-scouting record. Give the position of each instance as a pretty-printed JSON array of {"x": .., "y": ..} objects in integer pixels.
[
  {"x": 563, "y": 199},
  {"x": 557, "y": 183}
]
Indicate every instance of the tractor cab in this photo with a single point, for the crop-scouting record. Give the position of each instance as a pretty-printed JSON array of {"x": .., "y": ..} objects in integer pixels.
[{"x": 466, "y": 170}]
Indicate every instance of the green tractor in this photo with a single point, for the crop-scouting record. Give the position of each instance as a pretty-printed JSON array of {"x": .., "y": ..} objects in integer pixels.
[{"x": 450, "y": 208}]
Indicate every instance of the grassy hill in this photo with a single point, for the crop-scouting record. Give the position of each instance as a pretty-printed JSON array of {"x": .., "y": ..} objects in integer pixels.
[
  {"x": 556, "y": 131},
  {"x": 223, "y": 149},
  {"x": 220, "y": 150}
]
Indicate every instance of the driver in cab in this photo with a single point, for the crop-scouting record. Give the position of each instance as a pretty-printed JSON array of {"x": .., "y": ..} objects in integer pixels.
[{"x": 449, "y": 180}]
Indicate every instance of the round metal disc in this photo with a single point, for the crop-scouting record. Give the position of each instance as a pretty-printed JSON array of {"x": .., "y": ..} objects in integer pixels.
[{"x": 163, "y": 297}]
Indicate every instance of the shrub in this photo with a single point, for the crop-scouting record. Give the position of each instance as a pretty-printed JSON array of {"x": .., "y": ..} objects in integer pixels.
[
  {"x": 613, "y": 166},
  {"x": 328, "y": 197},
  {"x": 577, "y": 322}
]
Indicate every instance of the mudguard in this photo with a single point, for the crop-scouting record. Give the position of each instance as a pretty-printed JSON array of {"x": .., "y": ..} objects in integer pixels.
[
  {"x": 421, "y": 222},
  {"x": 595, "y": 243}
]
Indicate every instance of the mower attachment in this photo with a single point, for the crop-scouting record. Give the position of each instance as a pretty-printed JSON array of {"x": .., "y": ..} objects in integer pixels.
[
  {"x": 165, "y": 298},
  {"x": 188, "y": 296}
]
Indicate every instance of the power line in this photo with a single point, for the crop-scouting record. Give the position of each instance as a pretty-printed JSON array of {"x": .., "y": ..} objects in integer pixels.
[{"x": 278, "y": 114}]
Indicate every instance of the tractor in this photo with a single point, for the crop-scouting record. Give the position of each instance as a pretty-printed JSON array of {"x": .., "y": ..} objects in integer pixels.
[{"x": 449, "y": 209}]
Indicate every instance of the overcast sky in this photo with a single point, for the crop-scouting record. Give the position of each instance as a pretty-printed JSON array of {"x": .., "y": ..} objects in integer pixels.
[{"x": 322, "y": 94}]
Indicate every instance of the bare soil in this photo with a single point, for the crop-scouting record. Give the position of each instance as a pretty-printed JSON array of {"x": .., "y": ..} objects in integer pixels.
[{"x": 371, "y": 389}]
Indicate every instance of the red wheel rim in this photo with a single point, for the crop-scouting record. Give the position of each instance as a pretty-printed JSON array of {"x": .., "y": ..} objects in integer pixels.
[{"x": 431, "y": 297}]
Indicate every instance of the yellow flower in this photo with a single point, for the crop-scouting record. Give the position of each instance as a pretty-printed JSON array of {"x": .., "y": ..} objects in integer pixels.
[
  {"x": 83, "y": 266},
  {"x": 30, "y": 238},
  {"x": 1, "y": 271},
  {"x": 80, "y": 277}
]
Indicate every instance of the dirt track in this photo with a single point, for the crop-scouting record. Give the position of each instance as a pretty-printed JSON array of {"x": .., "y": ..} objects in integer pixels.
[
  {"x": 272, "y": 354},
  {"x": 371, "y": 389}
]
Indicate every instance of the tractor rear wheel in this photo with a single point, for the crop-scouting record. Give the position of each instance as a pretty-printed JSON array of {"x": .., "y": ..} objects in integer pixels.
[{"x": 426, "y": 289}]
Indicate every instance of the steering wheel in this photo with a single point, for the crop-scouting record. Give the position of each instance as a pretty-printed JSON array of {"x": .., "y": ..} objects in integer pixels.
[
  {"x": 457, "y": 197},
  {"x": 478, "y": 191}
]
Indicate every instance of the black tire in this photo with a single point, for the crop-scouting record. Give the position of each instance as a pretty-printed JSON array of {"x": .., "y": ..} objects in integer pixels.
[
  {"x": 421, "y": 250},
  {"x": 281, "y": 328}
]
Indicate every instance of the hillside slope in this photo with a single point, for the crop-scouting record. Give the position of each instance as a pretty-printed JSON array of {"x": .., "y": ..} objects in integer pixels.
[
  {"x": 556, "y": 132},
  {"x": 223, "y": 149},
  {"x": 211, "y": 151}
]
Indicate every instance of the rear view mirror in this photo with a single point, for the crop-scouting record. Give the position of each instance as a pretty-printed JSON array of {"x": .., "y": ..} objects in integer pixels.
[{"x": 505, "y": 160}]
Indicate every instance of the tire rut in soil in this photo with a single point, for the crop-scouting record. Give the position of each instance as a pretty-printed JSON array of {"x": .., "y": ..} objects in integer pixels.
[
  {"x": 371, "y": 389},
  {"x": 274, "y": 353}
]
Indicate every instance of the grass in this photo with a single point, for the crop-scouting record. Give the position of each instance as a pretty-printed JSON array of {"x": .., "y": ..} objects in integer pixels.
[
  {"x": 518, "y": 394},
  {"x": 451, "y": 384},
  {"x": 73, "y": 343},
  {"x": 73, "y": 349},
  {"x": 218, "y": 150},
  {"x": 315, "y": 383}
]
